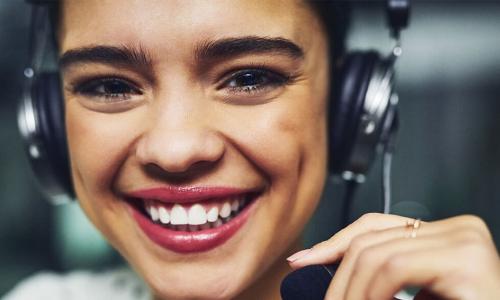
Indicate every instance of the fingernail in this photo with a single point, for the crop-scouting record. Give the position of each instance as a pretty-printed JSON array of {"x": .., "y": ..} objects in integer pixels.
[{"x": 298, "y": 255}]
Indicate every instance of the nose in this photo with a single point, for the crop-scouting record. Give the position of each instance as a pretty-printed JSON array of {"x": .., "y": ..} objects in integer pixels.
[{"x": 177, "y": 143}]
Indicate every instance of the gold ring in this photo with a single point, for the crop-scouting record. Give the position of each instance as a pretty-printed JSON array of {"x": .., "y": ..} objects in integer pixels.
[{"x": 414, "y": 225}]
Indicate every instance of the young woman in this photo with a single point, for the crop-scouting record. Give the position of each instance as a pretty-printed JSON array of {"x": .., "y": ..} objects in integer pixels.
[{"x": 197, "y": 133}]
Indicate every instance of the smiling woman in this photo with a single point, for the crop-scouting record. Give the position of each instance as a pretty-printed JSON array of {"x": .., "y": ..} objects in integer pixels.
[
  {"x": 197, "y": 136},
  {"x": 214, "y": 133}
]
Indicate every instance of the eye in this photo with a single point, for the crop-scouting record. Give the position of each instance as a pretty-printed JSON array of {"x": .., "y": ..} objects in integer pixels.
[
  {"x": 108, "y": 89},
  {"x": 253, "y": 81}
]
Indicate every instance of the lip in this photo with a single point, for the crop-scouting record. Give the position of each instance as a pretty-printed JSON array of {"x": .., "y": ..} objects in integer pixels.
[
  {"x": 190, "y": 241},
  {"x": 187, "y": 194}
]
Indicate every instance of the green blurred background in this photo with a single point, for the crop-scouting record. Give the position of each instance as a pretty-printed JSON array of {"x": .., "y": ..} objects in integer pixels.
[{"x": 448, "y": 150}]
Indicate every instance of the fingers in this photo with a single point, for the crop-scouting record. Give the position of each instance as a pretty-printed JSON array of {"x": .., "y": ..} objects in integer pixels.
[
  {"x": 367, "y": 253},
  {"x": 372, "y": 260},
  {"x": 358, "y": 245},
  {"x": 378, "y": 264},
  {"x": 375, "y": 249},
  {"x": 417, "y": 268},
  {"x": 334, "y": 248}
]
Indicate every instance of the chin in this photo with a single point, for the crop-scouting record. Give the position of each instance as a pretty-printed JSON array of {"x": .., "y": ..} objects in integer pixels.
[
  {"x": 201, "y": 286},
  {"x": 197, "y": 276},
  {"x": 221, "y": 272}
]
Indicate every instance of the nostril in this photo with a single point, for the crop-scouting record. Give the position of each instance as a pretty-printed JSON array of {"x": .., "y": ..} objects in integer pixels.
[
  {"x": 180, "y": 151},
  {"x": 203, "y": 166},
  {"x": 194, "y": 170}
]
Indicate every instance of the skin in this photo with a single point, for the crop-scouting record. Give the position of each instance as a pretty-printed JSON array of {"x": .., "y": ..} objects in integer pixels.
[
  {"x": 454, "y": 258},
  {"x": 183, "y": 129},
  {"x": 181, "y": 124}
]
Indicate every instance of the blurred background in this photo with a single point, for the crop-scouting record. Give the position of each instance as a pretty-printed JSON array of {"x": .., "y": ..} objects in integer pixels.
[{"x": 448, "y": 149}]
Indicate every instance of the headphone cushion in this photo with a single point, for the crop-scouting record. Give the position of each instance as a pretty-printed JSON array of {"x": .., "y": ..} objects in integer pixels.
[
  {"x": 347, "y": 106},
  {"x": 49, "y": 106}
]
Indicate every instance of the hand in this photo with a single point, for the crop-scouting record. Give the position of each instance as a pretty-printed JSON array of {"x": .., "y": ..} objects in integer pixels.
[{"x": 453, "y": 258}]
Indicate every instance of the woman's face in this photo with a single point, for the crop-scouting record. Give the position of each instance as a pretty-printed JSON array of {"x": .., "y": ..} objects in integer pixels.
[{"x": 178, "y": 111}]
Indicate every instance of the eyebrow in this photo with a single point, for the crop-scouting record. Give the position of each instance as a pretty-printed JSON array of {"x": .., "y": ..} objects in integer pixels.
[
  {"x": 233, "y": 47},
  {"x": 208, "y": 51},
  {"x": 111, "y": 55}
]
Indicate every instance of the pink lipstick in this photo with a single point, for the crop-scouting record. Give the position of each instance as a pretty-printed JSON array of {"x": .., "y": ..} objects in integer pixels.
[{"x": 194, "y": 219}]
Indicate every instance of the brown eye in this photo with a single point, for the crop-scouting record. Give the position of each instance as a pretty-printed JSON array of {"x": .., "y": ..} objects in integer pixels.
[
  {"x": 251, "y": 80},
  {"x": 108, "y": 88}
]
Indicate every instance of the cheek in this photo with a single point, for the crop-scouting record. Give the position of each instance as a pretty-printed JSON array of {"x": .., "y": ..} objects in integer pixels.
[
  {"x": 292, "y": 148},
  {"x": 98, "y": 144},
  {"x": 282, "y": 138},
  {"x": 286, "y": 141}
]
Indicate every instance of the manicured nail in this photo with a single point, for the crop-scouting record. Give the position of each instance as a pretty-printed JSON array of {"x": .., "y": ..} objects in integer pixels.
[{"x": 298, "y": 255}]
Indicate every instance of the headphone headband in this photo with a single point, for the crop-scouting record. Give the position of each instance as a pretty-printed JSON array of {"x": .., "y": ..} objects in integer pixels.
[{"x": 362, "y": 119}]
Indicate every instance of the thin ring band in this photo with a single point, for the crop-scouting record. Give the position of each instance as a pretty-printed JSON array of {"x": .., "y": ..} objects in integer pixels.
[{"x": 414, "y": 225}]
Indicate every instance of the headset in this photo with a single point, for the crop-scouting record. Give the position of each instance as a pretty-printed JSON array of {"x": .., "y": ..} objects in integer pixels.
[{"x": 362, "y": 120}]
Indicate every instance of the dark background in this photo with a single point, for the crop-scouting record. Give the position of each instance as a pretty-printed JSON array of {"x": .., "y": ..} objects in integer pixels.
[{"x": 448, "y": 151}]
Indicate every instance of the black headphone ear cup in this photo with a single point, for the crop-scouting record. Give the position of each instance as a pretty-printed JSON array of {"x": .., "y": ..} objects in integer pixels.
[
  {"x": 346, "y": 107},
  {"x": 54, "y": 170}
]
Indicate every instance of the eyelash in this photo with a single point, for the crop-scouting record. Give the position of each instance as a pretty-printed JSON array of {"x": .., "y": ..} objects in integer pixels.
[
  {"x": 264, "y": 79},
  {"x": 251, "y": 81},
  {"x": 100, "y": 88}
]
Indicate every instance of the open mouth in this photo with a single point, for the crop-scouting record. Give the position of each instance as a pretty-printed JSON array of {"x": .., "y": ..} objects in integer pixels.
[
  {"x": 198, "y": 216},
  {"x": 193, "y": 226}
]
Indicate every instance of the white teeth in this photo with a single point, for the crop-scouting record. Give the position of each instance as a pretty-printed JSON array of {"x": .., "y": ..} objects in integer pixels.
[
  {"x": 178, "y": 215},
  {"x": 197, "y": 215},
  {"x": 234, "y": 205},
  {"x": 225, "y": 211},
  {"x": 164, "y": 216},
  {"x": 153, "y": 211},
  {"x": 213, "y": 214}
]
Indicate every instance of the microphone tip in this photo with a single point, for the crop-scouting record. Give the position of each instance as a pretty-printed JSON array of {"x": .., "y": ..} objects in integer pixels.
[{"x": 308, "y": 283}]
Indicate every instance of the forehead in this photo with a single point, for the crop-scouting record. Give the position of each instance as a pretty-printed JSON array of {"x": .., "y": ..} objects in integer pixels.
[{"x": 164, "y": 24}]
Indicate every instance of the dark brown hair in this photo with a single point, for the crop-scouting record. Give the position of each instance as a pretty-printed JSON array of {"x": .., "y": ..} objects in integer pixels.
[{"x": 334, "y": 15}]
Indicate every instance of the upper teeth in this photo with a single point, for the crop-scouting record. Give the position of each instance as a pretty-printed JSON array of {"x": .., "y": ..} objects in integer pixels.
[
  {"x": 225, "y": 211},
  {"x": 195, "y": 214},
  {"x": 178, "y": 215},
  {"x": 213, "y": 214},
  {"x": 164, "y": 215}
]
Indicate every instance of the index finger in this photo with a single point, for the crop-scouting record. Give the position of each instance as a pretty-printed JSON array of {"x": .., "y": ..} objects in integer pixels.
[{"x": 334, "y": 248}]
